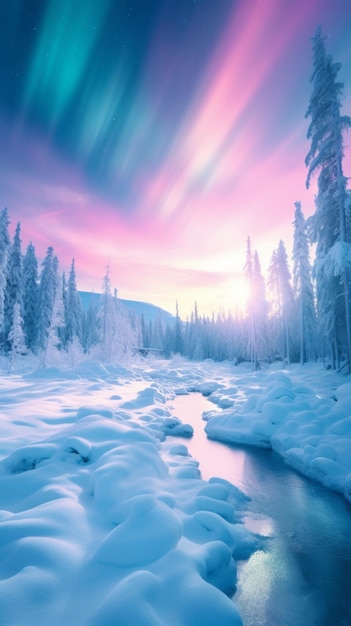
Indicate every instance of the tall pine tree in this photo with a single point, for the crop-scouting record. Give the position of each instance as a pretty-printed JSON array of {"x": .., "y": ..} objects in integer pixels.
[
  {"x": 283, "y": 305},
  {"x": 329, "y": 225},
  {"x": 73, "y": 308},
  {"x": 178, "y": 347},
  {"x": 117, "y": 337},
  {"x": 16, "y": 340},
  {"x": 49, "y": 284},
  {"x": 30, "y": 296},
  {"x": 4, "y": 252},
  {"x": 249, "y": 273},
  {"x": 303, "y": 287},
  {"x": 14, "y": 281}
]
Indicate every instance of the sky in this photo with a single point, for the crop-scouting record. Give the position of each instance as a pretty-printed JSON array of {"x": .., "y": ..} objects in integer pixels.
[{"x": 155, "y": 136}]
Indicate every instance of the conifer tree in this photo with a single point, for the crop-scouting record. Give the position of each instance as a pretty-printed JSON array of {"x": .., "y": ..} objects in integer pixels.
[
  {"x": 117, "y": 335},
  {"x": 14, "y": 281},
  {"x": 30, "y": 296},
  {"x": 196, "y": 336},
  {"x": 73, "y": 308},
  {"x": 49, "y": 284},
  {"x": 249, "y": 273},
  {"x": 303, "y": 288},
  {"x": 178, "y": 334},
  {"x": 53, "y": 341},
  {"x": 90, "y": 328},
  {"x": 107, "y": 318},
  {"x": 167, "y": 346},
  {"x": 145, "y": 333},
  {"x": 282, "y": 299},
  {"x": 17, "y": 345},
  {"x": 260, "y": 308},
  {"x": 159, "y": 331},
  {"x": 257, "y": 308},
  {"x": 329, "y": 225},
  {"x": 4, "y": 252},
  {"x": 64, "y": 302},
  {"x": 155, "y": 333}
]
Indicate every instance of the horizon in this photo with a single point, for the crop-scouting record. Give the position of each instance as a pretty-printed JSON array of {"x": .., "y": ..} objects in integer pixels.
[{"x": 157, "y": 141}]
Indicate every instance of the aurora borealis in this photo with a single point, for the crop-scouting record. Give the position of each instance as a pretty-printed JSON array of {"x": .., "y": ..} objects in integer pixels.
[{"x": 156, "y": 135}]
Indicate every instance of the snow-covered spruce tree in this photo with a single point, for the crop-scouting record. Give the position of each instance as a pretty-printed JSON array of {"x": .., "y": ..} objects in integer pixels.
[
  {"x": 154, "y": 334},
  {"x": 135, "y": 324},
  {"x": 195, "y": 336},
  {"x": 145, "y": 332},
  {"x": 329, "y": 226},
  {"x": 303, "y": 287},
  {"x": 90, "y": 330},
  {"x": 282, "y": 302},
  {"x": 16, "y": 339},
  {"x": 14, "y": 283},
  {"x": 248, "y": 269},
  {"x": 159, "y": 332},
  {"x": 53, "y": 344},
  {"x": 178, "y": 347},
  {"x": 73, "y": 309},
  {"x": 107, "y": 319},
  {"x": 49, "y": 284},
  {"x": 260, "y": 308},
  {"x": 192, "y": 336},
  {"x": 64, "y": 302},
  {"x": 208, "y": 340},
  {"x": 117, "y": 337},
  {"x": 30, "y": 296},
  {"x": 218, "y": 337},
  {"x": 167, "y": 346},
  {"x": 257, "y": 309},
  {"x": 4, "y": 252}
]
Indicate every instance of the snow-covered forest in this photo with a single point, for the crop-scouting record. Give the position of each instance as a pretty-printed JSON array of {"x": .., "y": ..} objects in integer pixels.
[
  {"x": 294, "y": 315},
  {"x": 303, "y": 314},
  {"x": 42, "y": 313}
]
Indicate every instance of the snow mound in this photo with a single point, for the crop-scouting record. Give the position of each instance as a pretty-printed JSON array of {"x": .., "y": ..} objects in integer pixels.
[
  {"x": 174, "y": 427},
  {"x": 29, "y": 457},
  {"x": 132, "y": 543}
]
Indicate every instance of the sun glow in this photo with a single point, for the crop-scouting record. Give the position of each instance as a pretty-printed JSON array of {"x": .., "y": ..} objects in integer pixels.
[{"x": 239, "y": 294}]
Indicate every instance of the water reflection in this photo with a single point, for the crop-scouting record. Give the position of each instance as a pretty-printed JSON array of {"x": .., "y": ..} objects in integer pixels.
[
  {"x": 303, "y": 578},
  {"x": 215, "y": 458}
]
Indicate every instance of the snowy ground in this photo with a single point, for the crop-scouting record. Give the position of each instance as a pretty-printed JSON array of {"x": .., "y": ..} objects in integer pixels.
[
  {"x": 105, "y": 520},
  {"x": 102, "y": 519}
]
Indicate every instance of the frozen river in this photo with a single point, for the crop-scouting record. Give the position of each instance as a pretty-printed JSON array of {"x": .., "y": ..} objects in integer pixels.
[{"x": 303, "y": 576}]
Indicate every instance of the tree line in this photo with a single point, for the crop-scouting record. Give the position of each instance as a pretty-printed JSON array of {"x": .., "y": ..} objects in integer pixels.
[{"x": 42, "y": 312}]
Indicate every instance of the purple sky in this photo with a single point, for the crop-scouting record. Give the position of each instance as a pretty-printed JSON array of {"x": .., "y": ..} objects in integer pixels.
[{"x": 156, "y": 136}]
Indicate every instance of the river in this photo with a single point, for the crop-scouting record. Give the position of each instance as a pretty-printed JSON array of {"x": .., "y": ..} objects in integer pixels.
[{"x": 303, "y": 575}]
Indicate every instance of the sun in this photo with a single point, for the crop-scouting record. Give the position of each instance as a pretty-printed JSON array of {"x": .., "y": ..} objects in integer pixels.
[{"x": 239, "y": 295}]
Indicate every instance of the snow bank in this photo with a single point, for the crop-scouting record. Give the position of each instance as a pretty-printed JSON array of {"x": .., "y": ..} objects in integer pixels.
[
  {"x": 312, "y": 432},
  {"x": 303, "y": 413}
]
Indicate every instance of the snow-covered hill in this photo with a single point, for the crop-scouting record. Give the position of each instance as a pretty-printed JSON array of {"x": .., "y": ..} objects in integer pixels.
[{"x": 149, "y": 311}]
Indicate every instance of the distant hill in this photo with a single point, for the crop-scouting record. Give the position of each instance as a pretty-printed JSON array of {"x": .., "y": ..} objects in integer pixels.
[{"x": 149, "y": 311}]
